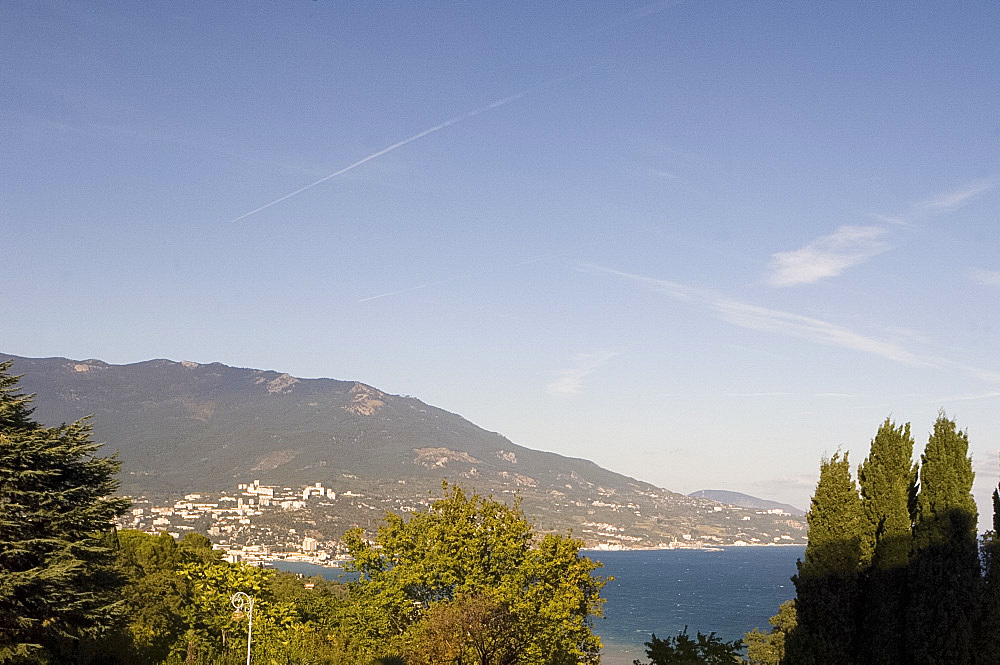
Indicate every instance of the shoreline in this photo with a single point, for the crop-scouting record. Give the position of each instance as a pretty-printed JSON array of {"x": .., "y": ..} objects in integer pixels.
[{"x": 341, "y": 564}]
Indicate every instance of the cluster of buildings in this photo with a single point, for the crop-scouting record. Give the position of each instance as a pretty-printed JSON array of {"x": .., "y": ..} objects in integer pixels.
[
  {"x": 235, "y": 522},
  {"x": 264, "y": 523}
]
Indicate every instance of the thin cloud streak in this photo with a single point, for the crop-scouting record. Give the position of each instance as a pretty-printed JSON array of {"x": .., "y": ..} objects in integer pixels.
[
  {"x": 939, "y": 203},
  {"x": 827, "y": 256},
  {"x": 394, "y": 146},
  {"x": 399, "y": 144},
  {"x": 959, "y": 197},
  {"x": 393, "y": 293},
  {"x": 570, "y": 380},
  {"x": 772, "y": 320},
  {"x": 796, "y": 325},
  {"x": 969, "y": 398}
]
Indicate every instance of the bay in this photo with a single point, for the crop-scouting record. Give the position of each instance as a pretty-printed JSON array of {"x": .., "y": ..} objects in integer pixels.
[{"x": 730, "y": 592}]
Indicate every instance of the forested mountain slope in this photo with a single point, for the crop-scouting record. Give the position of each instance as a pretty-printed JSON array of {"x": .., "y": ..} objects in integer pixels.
[{"x": 185, "y": 427}]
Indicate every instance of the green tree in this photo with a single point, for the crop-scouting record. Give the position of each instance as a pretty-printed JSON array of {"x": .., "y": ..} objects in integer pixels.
[
  {"x": 155, "y": 595},
  {"x": 683, "y": 650},
  {"x": 57, "y": 581},
  {"x": 769, "y": 648},
  {"x": 212, "y": 629},
  {"x": 944, "y": 567},
  {"x": 474, "y": 553},
  {"x": 888, "y": 482},
  {"x": 177, "y": 601},
  {"x": 826, "y": 584},
  {"x": 988, "y": 650},
  {"x": 473, "y": 630}
]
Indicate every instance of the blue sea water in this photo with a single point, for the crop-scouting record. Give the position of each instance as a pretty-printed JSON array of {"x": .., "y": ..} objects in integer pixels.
[{"x": 729, "y": 592}]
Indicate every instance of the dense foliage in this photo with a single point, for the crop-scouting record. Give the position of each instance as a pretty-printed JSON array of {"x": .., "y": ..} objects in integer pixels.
[
  {"x": 178, "y": 604},
  {"x": 888, "y": 482},
  {"x": 944, "y": 565},
  {"x": 826, "y": 584},
  {"x": 57, "y": 583},
  {"x": 463, "y": 583},
  {"x": 893, "y": 574},
  {"x": 682, "y": 649},
  {"x": 489, "y": 597},
  {"x": 988, "y": 644},
  {"x": 769, "y": 648}
]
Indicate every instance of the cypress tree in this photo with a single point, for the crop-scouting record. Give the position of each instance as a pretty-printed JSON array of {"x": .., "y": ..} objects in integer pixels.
[
  {"x": 56, "y": 534},
  {"x": 888, "y": 482},
  {"x": 944, "y": 566},
  {"x": 988, "y": 650},
  {"x": 826, "y": 585}
]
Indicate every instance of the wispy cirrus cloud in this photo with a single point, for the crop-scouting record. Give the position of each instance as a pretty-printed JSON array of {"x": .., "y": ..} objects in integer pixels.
[
  {"x": 755, "y": 317},
  {"x": 805, "y": 327},
  {"x": 849, "y": 246},
  {"x": 955, "y": 198},
  {"x": 827, "y": 256},
  {"x": 985, "y": 277},
  {"x": 570, "y": 380},
  {"x": 938, "y": 204},
  {"x": 790, "y": 324},
  {"x": 992, "y": 394}
]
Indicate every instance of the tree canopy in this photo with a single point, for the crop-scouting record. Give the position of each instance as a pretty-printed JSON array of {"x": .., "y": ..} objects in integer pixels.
[
  {"x": 944, "y": 566},
  {"x": 895, "y": 576},
  {"x": 827, "y": 580},
  {"x": 471, "y": 573},
  {"x": 888, "y": 481},
  {"x": 769, "y": 648},
  {"x": 682, "y": 649},
  {"x": 57, "y": 582}
]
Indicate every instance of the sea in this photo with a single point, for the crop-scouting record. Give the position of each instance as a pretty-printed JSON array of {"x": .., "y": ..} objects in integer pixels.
[{"x": 728, "y": 591}]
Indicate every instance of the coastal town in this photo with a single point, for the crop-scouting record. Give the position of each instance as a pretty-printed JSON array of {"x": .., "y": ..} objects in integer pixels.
[{"x": 259, "y": 524}]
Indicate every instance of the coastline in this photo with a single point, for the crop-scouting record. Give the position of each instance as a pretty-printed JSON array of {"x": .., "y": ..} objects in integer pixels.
[{"x": 340, "y": 563}]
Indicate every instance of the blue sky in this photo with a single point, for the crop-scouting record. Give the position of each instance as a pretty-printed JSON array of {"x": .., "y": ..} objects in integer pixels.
[{"x": 701, "y": 243}]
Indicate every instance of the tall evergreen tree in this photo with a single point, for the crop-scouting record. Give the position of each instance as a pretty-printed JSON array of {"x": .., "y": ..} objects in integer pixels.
[
  {"x": 944, "y": 566},
  {"x": 826, "y": 585},
  {"x": 988, "y": 649},
  {"x": 888, "y": 482},
  {"x": 56, "y": 536}
]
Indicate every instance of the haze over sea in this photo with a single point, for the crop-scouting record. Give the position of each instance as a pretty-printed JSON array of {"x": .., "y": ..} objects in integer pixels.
[{"x": 729, "y": 592}]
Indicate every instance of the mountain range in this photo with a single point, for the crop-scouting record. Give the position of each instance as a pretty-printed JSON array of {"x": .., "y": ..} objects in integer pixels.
[
  {"x": 183, "y": 427},
  {"x": 745, "y": 500}
]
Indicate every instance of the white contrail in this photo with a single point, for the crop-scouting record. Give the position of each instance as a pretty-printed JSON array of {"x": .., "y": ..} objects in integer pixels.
[
  {"x": 392, "y": 293},
  {"x": 400, "y": 144}
]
